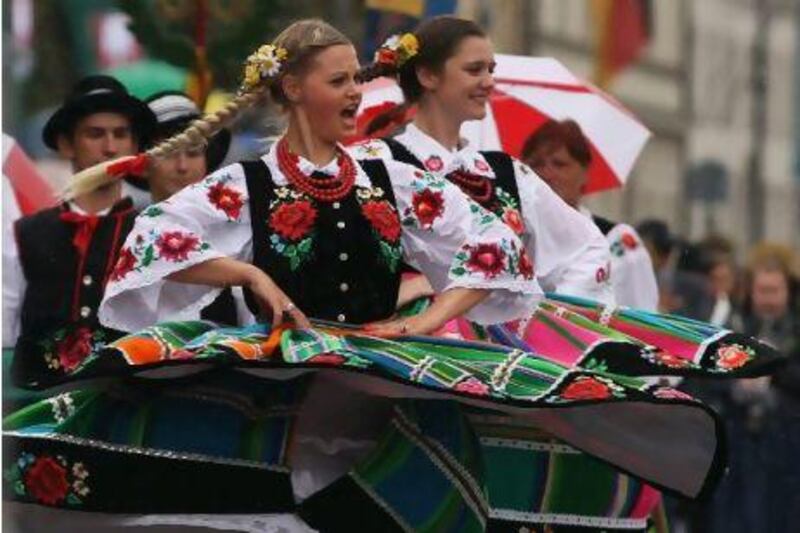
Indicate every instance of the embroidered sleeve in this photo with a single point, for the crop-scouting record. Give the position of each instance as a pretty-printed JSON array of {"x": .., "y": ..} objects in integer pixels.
[
  {"x": 457, "y": 243},
  {"x": 208, "y": 220},
  {"x": 632, "y": 273},
  {"x": 571, "y": 254}
]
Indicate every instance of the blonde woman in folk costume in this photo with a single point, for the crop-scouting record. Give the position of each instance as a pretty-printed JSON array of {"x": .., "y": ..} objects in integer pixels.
[{"x": 324, "y": 414}]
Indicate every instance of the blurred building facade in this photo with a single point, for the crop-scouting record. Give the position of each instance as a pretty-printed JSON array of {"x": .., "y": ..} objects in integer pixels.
[{"x": 696, "y": 89}]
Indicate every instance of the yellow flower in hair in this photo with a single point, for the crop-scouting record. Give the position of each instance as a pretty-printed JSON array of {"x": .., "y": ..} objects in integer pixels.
[
  {"x": 252, "y": 75},
  {"x": 409, "y": 44},
  {"x": 265, "y": 63}
]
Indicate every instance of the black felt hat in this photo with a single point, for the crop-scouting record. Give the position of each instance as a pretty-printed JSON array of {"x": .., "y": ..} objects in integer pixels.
[{"x": 96, "y": 94}]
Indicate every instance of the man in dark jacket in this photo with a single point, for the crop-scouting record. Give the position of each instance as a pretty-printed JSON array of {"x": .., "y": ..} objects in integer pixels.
[{"x": 66, "y": 253}]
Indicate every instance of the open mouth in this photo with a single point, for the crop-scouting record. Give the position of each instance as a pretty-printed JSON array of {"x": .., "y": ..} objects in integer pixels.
[{"x": 349, "y": 112}]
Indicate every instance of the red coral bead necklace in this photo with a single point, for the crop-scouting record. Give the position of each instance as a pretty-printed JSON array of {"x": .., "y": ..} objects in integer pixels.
[{"x": 327, "y": 189}]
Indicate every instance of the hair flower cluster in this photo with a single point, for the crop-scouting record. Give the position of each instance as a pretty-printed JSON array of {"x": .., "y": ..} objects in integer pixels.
[
  {"x": 265, "y": 63},
  {"x": 397, "y": 50}
]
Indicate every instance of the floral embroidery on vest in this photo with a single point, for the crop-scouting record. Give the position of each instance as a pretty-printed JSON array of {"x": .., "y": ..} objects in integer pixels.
[
  {"x": 385, "y": 222},
  {"x": 292, "y": 218}
]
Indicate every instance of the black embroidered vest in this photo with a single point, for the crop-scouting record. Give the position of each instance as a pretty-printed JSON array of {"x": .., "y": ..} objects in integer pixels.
[
  {"x": 337, "y": 261},
  {"x": 59, "y": 324},
  {"x": 504, "y": 192}
]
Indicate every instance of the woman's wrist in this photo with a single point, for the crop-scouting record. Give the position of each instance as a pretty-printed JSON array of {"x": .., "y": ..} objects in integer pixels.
[{"x": 250, "y": 275}]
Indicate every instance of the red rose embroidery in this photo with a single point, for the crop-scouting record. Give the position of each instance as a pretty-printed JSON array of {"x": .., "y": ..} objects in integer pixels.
[
  {"x": 731, "y": 357},
  {"x": 328, "y": 359},
  {"x": 46, "y": 480},
  {"x": 473, "y": 386},
  {"x": 293, "y": 220},
  {"x": 383, "y": 218},
  {"x": 671, "y": 360},
  {"x": 629, "y": 241},
  {"x": 525, "y": 265},
  {"x": 513, "y": 220},
  {"x": 434, "y": 163},
  {"x": 481, "y": 165},
  {"x": 428, "y": 205},
  {"x": 176, "y": 245},
  {"x": 386, "y": 56},
  {"x": 125, "y": 264},
  {"x": 74, "y": 348},
  {"x": 487, "y": 258},
  {"x": 586, "y": 388},
  {"x": 226, "y": 199}
]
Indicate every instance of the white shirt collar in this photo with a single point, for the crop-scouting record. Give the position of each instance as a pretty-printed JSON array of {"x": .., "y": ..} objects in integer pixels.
[
  {"x": 440, "y": 160},
  {"x": 74, "y": 207},
  {"x": 307, "y": 167}
]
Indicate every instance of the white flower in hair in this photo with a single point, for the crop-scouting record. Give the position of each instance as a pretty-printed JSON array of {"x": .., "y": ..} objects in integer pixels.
[
  {"x": 264, "y": 63},
  {"x": 392, "y": 42}
]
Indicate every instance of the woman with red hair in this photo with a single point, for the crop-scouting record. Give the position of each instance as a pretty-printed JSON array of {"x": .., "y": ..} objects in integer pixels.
[{"x": 559, "y": 153}]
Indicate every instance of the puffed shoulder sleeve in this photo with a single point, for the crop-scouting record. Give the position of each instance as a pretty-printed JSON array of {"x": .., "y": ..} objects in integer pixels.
[
  {"x": 207, "y": 220},
  {"x": 457, "y": 243},
  {"x": 571, "y": 254},
  {"x": 632, "y": 272}
]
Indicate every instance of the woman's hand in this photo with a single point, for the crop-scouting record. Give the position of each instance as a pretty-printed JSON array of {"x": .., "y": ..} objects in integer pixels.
[
  {"x": 448, "y": 305},
  {"x": 271, "y": 298},
  {"x": 399, "y": 327}
]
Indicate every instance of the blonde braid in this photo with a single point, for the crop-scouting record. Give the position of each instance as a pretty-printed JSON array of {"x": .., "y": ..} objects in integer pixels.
[
  {"x": 299, "y": 43},
  {"x": 204, "y": 128}
]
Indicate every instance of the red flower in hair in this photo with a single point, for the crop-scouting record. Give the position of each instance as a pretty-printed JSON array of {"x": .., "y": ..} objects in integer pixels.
[
  {"x": 74, "y": 348},
  {"x": 176, "y": 245},
  {"x": 46, "y": 480},
  {"x": 383, "y": 218},
  {"x": 125, "y": 263},
  {"x": 513, "y": 220},
  {"x": 525, "y": 265},
  {"x": 293, "y": 220},
  {"x": 586, "y": 388},
  {"x": 226, "y": 199},
  {"x": 486, "y": 258},
  {"x": 387, "y": 57},
  {"x": 428, "y": 205},
  {"x": 629, "y": 241}
]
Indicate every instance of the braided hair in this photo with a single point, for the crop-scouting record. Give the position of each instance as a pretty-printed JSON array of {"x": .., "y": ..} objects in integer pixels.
[{"x": 290, "y": 53}]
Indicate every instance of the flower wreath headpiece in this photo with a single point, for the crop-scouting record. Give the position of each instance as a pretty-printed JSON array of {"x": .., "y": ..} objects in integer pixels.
[
  {"x": 263, "y": 64},
  {"x": 397, "y": 50}
]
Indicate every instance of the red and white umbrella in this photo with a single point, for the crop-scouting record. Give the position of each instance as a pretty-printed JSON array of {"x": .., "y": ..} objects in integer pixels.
[
  {"x": 31, "y": 192},
  {"x": 530, "y": 91}
]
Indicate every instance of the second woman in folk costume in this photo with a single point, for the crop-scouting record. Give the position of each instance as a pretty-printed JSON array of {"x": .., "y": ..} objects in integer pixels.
[
  {"x": 328, "y": 420},
  {"x": 445, "y": 70}
]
